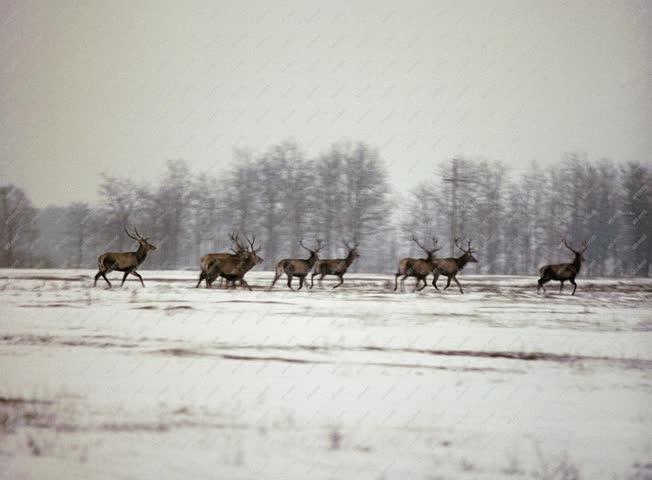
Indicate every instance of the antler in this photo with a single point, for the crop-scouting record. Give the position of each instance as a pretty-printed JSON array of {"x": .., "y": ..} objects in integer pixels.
[
  {"x": 563, "y": 240},
  {"x": 435, "y": 242},
  {"x": 416, "y": 240},
  {"x": 130, "y": 235},
  {"x": 585, "y": 245},
  {"x": 465, "y": 250},
  {"x": 251, "y": 243},
  {"x": 235, "y": 238},
  {"x": 316, "y": 249}
]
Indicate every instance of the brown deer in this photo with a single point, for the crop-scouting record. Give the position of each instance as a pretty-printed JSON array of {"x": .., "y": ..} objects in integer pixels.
[
  {"x": 248, "y": 259},
  {"x": 417, "y": 267},
  {"x": 126, "y": 262},
  {"x": 563, "y": 271},
  {"x": 336, "y": 266},
  {"x": 297, "y": 267},
  {"x": 209, "y": 263},
  {"x": 450, "y": 267},
  {"x": 231, "y": 266}
]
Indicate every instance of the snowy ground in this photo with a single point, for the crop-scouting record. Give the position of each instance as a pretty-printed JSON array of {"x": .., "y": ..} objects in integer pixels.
[{"x": 361, "y": 382}]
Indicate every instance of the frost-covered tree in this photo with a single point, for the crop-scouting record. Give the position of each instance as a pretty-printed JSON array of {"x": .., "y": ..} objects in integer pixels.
[
  {"x": 636, "y": 210},
  {"x": 19, "y": 232}
]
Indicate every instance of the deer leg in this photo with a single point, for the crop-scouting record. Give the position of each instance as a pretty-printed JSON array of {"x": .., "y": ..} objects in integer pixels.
[
  {"x": 99, "y": 274},
  {"x": 301, "y": 281},
  {"x": 419, "y": 280},
  {"x": 572, "y": 280},
  {"x": 244, "y": 283},
  {"x": 435, "y": 277},
  {"x": 541, "y": 282},
  {"x": 448, "y": 282},
  {"x": 124, "y": 278},
  {"x": 341, "y": 281},
  {"x": 312, "y": 280},
  {"x": 202, "y": 276},
  {"x": 458, "y": 284},
  {"x": 107, "y": 280},
  {"x": 396, "y": 281},
  {"x": 403, "y": 281},
  {"x": 276, "y": 277},
  {"x": 561, "y": 286},
  {"x": 139, "y": 277}
]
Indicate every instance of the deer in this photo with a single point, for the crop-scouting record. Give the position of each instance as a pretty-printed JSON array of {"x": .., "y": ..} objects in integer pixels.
[
  {"x": 126, "y": 262},
  {"x": 209, "y": 262},
  {"x": 563, "y": 271},
  {"x": 231, "y": 266},
  {"x": 450, "y": 267},
  {"x": 417, "y": 267},
  {"x": 297, "y": 267},
  {"x": 335, "y": 266},
  {"x": 248, "y": 259}
]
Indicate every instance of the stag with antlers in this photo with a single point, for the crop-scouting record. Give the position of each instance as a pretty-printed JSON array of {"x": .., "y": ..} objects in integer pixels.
[
  {"x": 450, "y": 267},
  {"x": 417, "y": 267},
  {"x": 230, "y": 266},
  {"x": 335, "y": 266},
  {"x": 126, "y": 262},
  {"x": 297, "y": 267},
  {"x": 563, "y": 271}
]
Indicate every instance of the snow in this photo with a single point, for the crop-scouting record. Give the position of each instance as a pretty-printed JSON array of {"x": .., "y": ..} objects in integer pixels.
[{"x": 359, "y": 382}]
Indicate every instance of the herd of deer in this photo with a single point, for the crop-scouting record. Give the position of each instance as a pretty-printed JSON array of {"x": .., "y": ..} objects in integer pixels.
[{"x": 232, "y": 267}]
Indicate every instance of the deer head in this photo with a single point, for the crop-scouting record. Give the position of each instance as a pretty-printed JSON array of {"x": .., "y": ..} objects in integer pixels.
[
  {"x": 468, "y": 251},
  {"x": 142, "y": 241},
  {"x": 253, "y": 251},
  {"x": 249, "y": 252},
  {"x": 352, "y": 250}
]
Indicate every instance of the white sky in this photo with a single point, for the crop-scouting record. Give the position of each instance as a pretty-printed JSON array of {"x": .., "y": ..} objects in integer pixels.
[{"x": 122, "y": 86}]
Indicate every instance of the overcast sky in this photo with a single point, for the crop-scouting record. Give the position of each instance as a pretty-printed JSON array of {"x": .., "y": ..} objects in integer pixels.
[{"x": 120, "y": 87}]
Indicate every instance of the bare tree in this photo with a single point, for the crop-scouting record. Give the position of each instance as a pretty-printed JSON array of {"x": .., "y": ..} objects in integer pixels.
[
  {"x": 120, "y": 202},
  {"x": 637, "y": 206},
  {"x": 17, "y": 218},
  {"x": 78, "y": 231},
  {"x": 171, "y": 203}
]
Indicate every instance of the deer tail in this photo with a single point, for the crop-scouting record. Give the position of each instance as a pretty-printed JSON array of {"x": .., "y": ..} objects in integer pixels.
[{"x": 280, "y": 268}]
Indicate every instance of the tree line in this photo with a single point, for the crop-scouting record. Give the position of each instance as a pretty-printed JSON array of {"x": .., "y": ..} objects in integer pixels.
[{"x": 516, "y": 220}]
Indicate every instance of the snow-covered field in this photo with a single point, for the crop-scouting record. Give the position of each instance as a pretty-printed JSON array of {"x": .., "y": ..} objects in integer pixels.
[{"x": 361, "y": 382}]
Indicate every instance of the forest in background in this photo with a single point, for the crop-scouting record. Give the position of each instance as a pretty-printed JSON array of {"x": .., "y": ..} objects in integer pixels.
[{"x": 515, "y": 220}]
